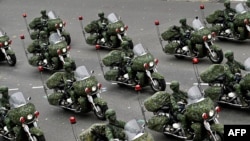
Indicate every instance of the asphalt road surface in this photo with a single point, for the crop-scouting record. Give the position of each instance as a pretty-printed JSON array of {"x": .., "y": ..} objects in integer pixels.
[{"x": 139, "y": 16}]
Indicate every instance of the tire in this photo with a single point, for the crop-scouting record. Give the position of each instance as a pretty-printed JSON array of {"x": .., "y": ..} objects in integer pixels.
[
  {"x": 219, "y": 137},
  {"x": 101, "y": 115},
  {"x": 67, "y": 39},
  {"x": 38, "y": 138},
  {"x": 160, "y": 85},
  {"x": 218, "y": 57},
  {"x": 12, "y": 61}
]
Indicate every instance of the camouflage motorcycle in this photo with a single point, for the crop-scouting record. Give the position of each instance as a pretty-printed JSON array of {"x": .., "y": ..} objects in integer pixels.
[
  {"x": 134, "y": 130},
  {"x": 241, "y": 20},
  {"x": 6, "y": 53},
  {"x": 143, "y": 66},
  {"x": 201, "y": 40},
  {"x": 53, "y": 24},
  {"x": 199, "y": 111},
  {"x": 52, "y": 56},
  {"x": 23, "y": 121},
  {"x": 220, "y": 91},
  {"x": 115, "y": 32},
  {"x": 86, "y": 90}
]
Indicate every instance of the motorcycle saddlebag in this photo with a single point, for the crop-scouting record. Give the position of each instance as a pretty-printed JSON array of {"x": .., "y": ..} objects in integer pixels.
[
  {"x": 156, "y": 101},
  {"x": 213, "y": 92},
  {"x": 170, "y": 33},
  {"x": 34, "y": 35},
  {"x": 91, "y": 27},
  {"x": 54, "y": 80},
  {"x": 171, "y": 47},
  {"x": 113, "y": 26},
  {"x": 91, "y": 39},
  {"x": 157, "y": 122},
  {"x": 113, "y": 57},
  {"x": 213, "y": 72},
  {"x": 52, "y": 23},
  {"x": 90, "y": 133},
  {"x": 33, "y": 60},
  {"x": 245, "y": 82},
  {"x": 32, "y": 47},
  {"x": 215, "y": 17},
  {"x": 58, "y": 46},
  {"x": 54, "y": 98},
  {"x": 111, "y": 75}
]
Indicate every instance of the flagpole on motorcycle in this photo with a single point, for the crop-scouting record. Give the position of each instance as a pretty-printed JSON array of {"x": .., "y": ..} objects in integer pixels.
[
  {"x": 26, "y": 23},
  {"x": 138, "y": 89},
  {"x": 202, "y": 14},
  {"x": 23, "y": 44},
  {"x": 81, "y": 24},
  {"x": 157, "y": 23},
  {"x": 73, "y": 121},
  {"x": 99, "y": 57},
  {"x": 196, "y": 61},
  {"x": 40, "y": 68}
]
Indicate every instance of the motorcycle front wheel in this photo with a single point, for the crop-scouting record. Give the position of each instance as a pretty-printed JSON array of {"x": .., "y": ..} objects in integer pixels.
[
  {"x": 218, "y": 136},
  {"x": 12, "y": 60},
  {"x": 217, "y": 58},
  {"x": 100, "y": 114},
  {"x": 67, "y": 39},
  {"x": 158, "y": 85},
  {"x": 38, "y": 138}
]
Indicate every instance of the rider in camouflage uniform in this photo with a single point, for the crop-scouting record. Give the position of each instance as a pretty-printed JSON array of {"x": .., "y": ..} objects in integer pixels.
[
  {"x": 115, "y": 128},
  {"x": 233, "y": 72},
  {"x": 102, "y": 23},
  {"x": 4, "y": 102},
  {"x": 229, "y": 16},
  {"x": 185, "y": 31}
]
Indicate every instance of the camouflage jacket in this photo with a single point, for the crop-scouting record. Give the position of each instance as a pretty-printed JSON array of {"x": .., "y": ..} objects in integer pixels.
[
  {"x": 227, "y": 11},
  {"x": 115, "y": 130},
  {"x": 235, "y": 66},
  {"x": 180, "y": 96}
]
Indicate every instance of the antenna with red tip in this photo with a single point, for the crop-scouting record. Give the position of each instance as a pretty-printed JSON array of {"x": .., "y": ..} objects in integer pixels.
[
  {"x": 22, "y": 37},
  {"x": 196, "y": 61},
  {"x": 157, "y": 23},
  {"x": 138, "y": 89},
  {"x": 80, "y": 18},
  {"x": 72, "y": 120},
  {"x": 26, "y": 23}
]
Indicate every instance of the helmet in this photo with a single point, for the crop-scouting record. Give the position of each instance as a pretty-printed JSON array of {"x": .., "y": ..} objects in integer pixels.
[
  {"x": 101, "y": 14},
  {"x": 109, "y": 112},
  {"x": 174, "y": 84},
  {"x": 227, "y": 3},
  {"x": 248, "y": 3},
  {"x": 67, "y": 66},
  {"x": 43, "y": 12},
  {"x": 4, "y": 90},
  {"x": 124, "y": 44},
  {"x": 183, "y": 21},
  {"x": 229, "y": 53}
]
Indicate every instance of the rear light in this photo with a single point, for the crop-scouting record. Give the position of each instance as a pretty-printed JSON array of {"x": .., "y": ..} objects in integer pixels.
[
  {"x": 205, "y": 116},
  {"x": 22, "y": 119}
]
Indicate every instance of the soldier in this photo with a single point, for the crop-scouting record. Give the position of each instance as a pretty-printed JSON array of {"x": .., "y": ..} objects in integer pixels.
[
  {"x": 4, "y": 103},
  {"x": 178, "y": 94},
  {"x": 185, "y": 30},
  {"x": 102, "y": 23},
  {"x": 115, "y": 128},
  {"x": 229, "y": 17},
  {"x": 44, "y": 18},
  {"x": 233, "y": 73}
]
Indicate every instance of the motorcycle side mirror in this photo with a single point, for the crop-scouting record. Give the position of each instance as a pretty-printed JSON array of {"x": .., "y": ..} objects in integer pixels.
[
  {"x": 92, "y": 71},
  {"x": 29, "y": 98}
]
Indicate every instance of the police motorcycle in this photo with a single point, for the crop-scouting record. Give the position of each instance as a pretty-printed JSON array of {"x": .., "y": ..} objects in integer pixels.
[
  {"x": 86, "y": 90},
  {"x": 6, "y": 52},
  {"x": 240, "y": 20},
  {"x": 22, "y": 119},
  {"x": 222, "y": 92},
  {"x": 201, "y": 39},
  {"x": 53, "y": 24},
  {"x": 143, "y": 66},
  {"x": 198, "y": 111},
  {"x": 115, "y": 32},
  {"x": 51, "y": 56}
]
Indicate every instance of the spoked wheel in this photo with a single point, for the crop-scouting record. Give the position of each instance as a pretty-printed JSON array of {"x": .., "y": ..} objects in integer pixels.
[
  {"x": 218, "y": 137},
  {"x": 158, "y": 85},
  {"x": 100, "y": 112},
  {"x": 38, "y": 138},
  {"x": 12, "y": 60},
  {"x": 67, "y": 39},
  {"x": 216, "y": 56}
]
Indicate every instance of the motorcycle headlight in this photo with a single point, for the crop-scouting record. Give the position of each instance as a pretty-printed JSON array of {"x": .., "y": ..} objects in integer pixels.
[
  {"x": 151, "y": 64},
  {"x": 122, "y": 29},
  {"x": 93, "y": 88},
  {"x": 64, "y": 50},
  {"x": 211, "y": 113},
  {"x": 209, "y": 36},
  {"x": 61, "y": 25},
  {"x": 29, "y": 116},
  {"x": 5, "y": 43}
]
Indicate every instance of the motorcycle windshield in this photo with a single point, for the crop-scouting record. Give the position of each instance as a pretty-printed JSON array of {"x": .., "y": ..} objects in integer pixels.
[
  {"x": 133, "y": 129},
  {"x": 2, "y": 33},
  {"x": 240, "y": 8},
  {"x": 17, "y": 100},
  {"x": 113, "y": 18},
  {"x": 197, "y": 25},
  {"x": 247, "y": 64},
  {"x": 54, "y": 38},
  {"x": 81, "y": 73},
  {"x": 52, "y": 15},
  {"x": 139, "y": 50},
  {"x": 194, "y": 95}
]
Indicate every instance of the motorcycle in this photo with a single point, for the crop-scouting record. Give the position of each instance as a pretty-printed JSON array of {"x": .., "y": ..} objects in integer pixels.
[
  {"x": 86, "y": 90},
  {"x": 134, "y": 130},
  {"x": 115, "y": 30},
  {"x": 23, "y": 119},
  {"x": 53, "y": 24},
  {"x": 220, "y": 91},
  {"x": 201, "y": 40},
  {"x": 199, "y": 110},
  {"x": 52, "y": 56},
  {"x": 143, "y": 66},
  {"x": 240, "y": 21},
  {"x": 6, "y": 52}
]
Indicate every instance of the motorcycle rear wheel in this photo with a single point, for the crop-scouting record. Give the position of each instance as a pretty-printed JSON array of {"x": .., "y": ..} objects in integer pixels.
[
  {"x": 12, "y": 60},
  {"x": 160, "y": 85}
]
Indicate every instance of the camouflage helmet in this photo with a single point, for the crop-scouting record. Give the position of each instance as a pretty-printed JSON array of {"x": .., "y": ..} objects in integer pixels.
[
  {"x": 183, "y": 21},
  {"x": 229, "y": 53},
  {"x": 101, "y": 14},
  {"x": 43, "y": 12},
  {"x": 67, "y": 66},
  {"x": 174, "y": 84},
  {"x": 110, "y": 112},
  {"x": 227, "y": 3},
  {"x": 4, "y": 90},
  {"x": 124, "y": 44}
]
